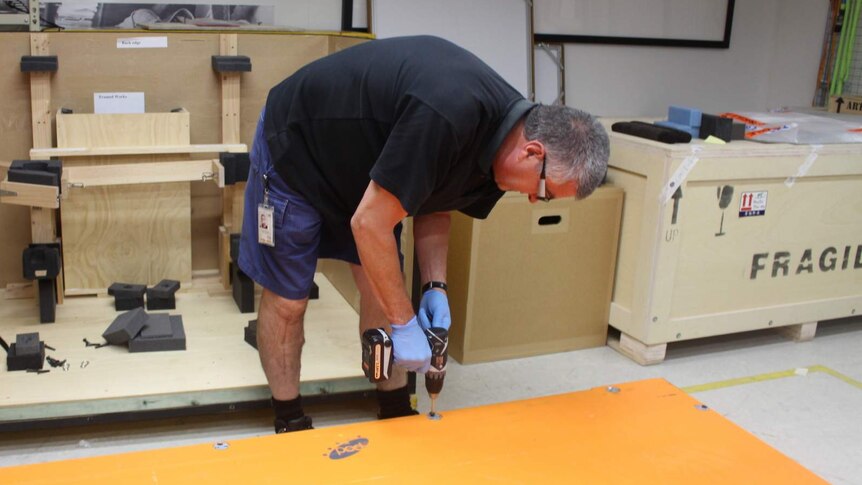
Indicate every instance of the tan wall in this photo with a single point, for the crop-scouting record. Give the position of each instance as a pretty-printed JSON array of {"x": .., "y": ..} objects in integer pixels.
[{"x": 177, "y": 76}]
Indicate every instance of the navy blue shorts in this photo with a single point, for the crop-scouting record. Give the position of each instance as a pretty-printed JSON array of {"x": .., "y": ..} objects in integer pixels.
[{"x": 288, "y": 268}]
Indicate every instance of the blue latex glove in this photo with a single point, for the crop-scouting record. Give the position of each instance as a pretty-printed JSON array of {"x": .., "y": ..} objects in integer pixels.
[
  {"x": 410, "y": 347},
  {"x": 434, "y": 310}
]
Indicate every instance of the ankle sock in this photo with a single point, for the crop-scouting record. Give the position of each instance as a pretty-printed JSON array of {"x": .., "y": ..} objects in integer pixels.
[{"x": 288, "y": 410}]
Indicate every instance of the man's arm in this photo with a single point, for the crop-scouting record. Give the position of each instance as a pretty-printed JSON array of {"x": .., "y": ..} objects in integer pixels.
[
  {"x": 372, "y": 223},
  {"x": 431, "y": 238}
]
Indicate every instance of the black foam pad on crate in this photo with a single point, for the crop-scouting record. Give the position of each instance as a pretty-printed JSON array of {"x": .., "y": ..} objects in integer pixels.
[
  {"x": 175, "y": 341},
  {"x": 47, "y": 301},
  {"x": 243, "y": 290},
  {"x": 125, "y": 327},
  {"x": 34, "y": 177},
  {"x": 251, "y": 333},
  {"x": 716, "y": 126},
  {"x": 231, "y": 63},
  {"x": 23, "y": 170},
  {"x": 236, "y": 167},
  {"x": 163, "y": 295},
  {"x": 127, "y": 295},
  {"x": 234, "y": 246},
  {"x": 39, "y": 64},
  {"x": 314, "y": 293},
  {"x": 651, "y": 132},
  {"x": 41, "y": 261}
]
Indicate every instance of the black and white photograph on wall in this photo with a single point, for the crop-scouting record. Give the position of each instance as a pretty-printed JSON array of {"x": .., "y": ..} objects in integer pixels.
[{"x": 96, "y": 15}]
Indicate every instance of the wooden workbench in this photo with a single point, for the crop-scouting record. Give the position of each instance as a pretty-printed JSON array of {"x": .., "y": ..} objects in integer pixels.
[{"x": 641, "y": 432}]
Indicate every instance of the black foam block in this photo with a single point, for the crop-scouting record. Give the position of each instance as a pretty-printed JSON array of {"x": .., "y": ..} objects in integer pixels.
[
  {"x": 234, "y": 246},
  {"x": 236, "y": 167},
  {"x": 39, "y": 172},
  {"x": 251, "y": 333},
  {"x": 175, "y": 341},
  {"x": 314, "y": 293},
  {"x": 127, "y": 296},
  {"x": 126, "y": 326},
  {"x": 737, "y": 132},
  {"x": 651, "y": 132},
  {"x": 39, "y": 64},
  {"x": 243, "y": 290},
  {"x": 231, "y": 63},
  {"x": 716, "y": 126},
  {"x": 28, "y": 352},
  {"x": 34, "y": 177},
  {"x": 47, "y": 301},
  {"x": 28, "y": 361},
  {"x": 156, "y": 325},
  {"x": 27, "y": 343},
  {"x": 163, "y": 295},
  {"x": 41, "y": 261}
]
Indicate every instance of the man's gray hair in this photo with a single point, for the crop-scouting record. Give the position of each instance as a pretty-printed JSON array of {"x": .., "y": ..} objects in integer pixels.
[{"x": 576, "y": 143}]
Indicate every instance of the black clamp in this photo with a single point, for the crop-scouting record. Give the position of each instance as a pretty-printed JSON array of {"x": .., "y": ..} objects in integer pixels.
[
  {"x": 27, "y": 353},
  {"x": 39, "y": 64},
  {"x": 231, "y": 64},
  {"x": 39, "y": 172},
  {"x": 163, "y": 295},
  {"x": 127, "y": 296},
  {"x": 236, "y": 167}
]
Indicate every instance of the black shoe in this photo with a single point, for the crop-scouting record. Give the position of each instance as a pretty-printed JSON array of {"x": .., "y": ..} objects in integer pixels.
[
  {"x": 397, "y": 414},
  {"x": 299, "y": 424}
]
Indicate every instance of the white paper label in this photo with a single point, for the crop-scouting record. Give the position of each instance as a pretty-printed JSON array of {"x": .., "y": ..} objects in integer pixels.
[
  {"x": 752, "y": 204},
  {"x": 118, "y": 102},
  {"x": 142, "y": 42}
]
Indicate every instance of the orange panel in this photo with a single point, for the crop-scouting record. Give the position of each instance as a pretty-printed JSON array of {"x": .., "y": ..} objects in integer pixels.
[{"x": 648, "y": 432}]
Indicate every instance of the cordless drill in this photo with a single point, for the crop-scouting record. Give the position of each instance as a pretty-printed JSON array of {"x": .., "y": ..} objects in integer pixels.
[
  {"x": 438, "y": 339},
  {"x": 377, "y": 359}
]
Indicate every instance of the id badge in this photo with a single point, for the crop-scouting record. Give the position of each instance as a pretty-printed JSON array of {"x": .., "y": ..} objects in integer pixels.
[{"x": 264, "y": 225}]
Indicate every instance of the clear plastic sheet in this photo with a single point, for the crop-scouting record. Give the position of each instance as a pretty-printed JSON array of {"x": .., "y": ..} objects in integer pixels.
[{"x": 797, "y": 128}]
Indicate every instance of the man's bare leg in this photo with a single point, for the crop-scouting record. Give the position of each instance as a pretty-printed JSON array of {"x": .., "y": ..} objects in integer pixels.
[{"x": 280, "y": 337}]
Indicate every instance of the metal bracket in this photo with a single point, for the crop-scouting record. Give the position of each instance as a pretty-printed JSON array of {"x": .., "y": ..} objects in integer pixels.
[
  {"x": 207, "y": 176},
  {"x": 557, "y": 58},
  {"x": 8, "y": 193}
]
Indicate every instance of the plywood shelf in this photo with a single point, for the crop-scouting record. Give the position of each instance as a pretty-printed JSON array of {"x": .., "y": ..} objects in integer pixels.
[
  {"x": 140, "y": 173},
  {"x": 42, "y": 153},
  {"x": 45, "y": 196}
]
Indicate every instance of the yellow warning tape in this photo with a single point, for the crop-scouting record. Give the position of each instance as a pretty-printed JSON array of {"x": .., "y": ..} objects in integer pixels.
[
  {"x": 711, "y": 386},
  {"x": 849, "y": 380}
]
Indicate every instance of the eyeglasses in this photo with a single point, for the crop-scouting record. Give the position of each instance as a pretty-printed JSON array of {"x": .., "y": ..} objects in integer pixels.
[{"x": 542, "y": 192}]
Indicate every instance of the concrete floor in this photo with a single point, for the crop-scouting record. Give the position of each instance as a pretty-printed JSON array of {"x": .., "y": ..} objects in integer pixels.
[{"x": 812, "y": 416}]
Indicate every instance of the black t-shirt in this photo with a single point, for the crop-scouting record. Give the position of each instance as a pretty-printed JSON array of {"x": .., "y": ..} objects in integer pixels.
[{"x": 419, "y": 115}]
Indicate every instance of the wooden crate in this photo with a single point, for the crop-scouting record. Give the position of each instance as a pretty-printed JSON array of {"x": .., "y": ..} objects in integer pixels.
[
  {"x": 709, "y": 263},
  {"x": 532, "y": 278},
  {"x": 137, "y": 233}
]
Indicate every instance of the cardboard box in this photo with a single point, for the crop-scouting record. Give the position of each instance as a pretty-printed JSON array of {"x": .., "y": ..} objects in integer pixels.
[{"x": 533, "y": 278}]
